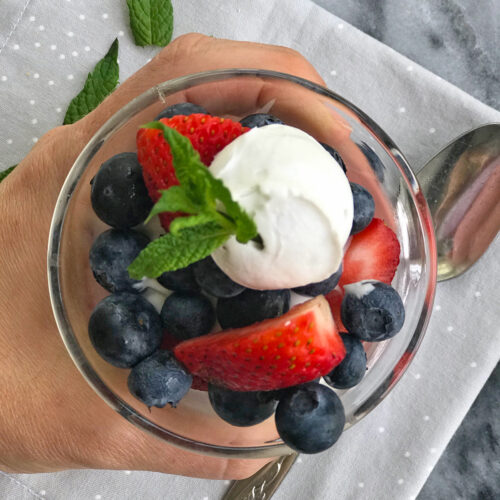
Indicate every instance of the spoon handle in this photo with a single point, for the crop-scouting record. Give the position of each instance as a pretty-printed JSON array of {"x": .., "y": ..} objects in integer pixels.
[{"x": 263, "y": 484}]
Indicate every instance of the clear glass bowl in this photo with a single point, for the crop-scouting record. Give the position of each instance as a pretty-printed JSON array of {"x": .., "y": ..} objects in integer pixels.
[{"x": 372, "y": 159}]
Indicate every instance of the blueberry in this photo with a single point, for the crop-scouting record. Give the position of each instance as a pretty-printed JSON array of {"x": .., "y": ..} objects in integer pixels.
[
  {"x": 159, "y": 379},
  {"x": 321, "y": 287},
  {"x": 279, "y": 393},
  {"x": 259, "y": 120},
  {"x": 182, "y": 108},
  {"x": 251, "y": 306},
  {"x": 124, "y": 329},
  {"x": 310, "y": 418},
  {"x": 111, "y": 254},
  {"x": 372, "y": 310},
  {"x": 187, "y": 315},
  {"x": 119, "y": 196},
  {"x": 214, "y": 281},
  {"x": 241, "y": 408},
  {"x": 375, "y": 162},
  {"x": 353, "y": 366},
  {"x": 182, "y": 280},
  {"x": 364, "y": 208},
  {"x": 336, "y": 155}
]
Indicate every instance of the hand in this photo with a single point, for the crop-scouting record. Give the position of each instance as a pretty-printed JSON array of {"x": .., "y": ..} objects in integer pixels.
[{"x": 50, "y": 419}]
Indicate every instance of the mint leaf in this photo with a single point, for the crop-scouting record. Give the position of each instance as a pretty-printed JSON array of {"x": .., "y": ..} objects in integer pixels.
[
  {"x": 215, "y": 216},
  {"x": 173, "y": 199},
  {"x": 6, "y": 172},
  {"x": 191, "y": 173},
  {"x": 151, "y": 21},
  {"x": 99, "y": 84},
  {"x": 201, "y": 186},
  {"x": 245, "y": 225},
  {"x": 180, "y": 223},
  {"x": 170, "y": 252}
]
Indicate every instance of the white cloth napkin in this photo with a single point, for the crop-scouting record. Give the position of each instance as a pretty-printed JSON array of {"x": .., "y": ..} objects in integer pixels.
[{"x": 46, "y": 50}]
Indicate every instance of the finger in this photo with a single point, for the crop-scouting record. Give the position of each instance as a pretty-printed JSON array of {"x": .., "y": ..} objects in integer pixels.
[{"x": 194, "y": 53}]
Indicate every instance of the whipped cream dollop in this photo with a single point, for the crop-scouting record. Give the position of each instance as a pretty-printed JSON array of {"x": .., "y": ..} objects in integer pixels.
[{"x": 300, "y": 200}]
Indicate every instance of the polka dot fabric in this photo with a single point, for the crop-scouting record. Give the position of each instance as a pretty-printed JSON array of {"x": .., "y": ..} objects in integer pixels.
[{"x": 46, "y": 51}]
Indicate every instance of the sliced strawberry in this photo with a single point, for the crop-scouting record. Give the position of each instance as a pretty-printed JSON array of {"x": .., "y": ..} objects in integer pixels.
[
  {"x": 372, "y": 254},
  {"x": 168, "y": 343},
  {"x": 334, "y": 299},
  {"x": 199, "y": 384},
  {"x": 297, "y": 347},
  {"x": 208, "y": 135}
]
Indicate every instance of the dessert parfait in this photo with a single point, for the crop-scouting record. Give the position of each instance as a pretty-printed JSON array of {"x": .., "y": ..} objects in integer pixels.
[{"x": 241, "y": 261}]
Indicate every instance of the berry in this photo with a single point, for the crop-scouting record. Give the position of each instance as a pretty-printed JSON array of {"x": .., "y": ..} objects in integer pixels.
[
  {"x": 353, "y": 367},
  {"x": 181, "y": 108},
  {"x": 297, "y": 347},
  {"x": 321, "y": 287},
  {"x": 187, "y": 315},
  {"x": 259, "y": 120},
  {"x": 374, "y": 161},
  {"x": 208, "y": 135},
  {"x": 199, "y": 384},
  {"x": 334, "y": 299},
  {"x": 158, "y": 380},
  {"x": 372, "y": 254},
  {"x": 214, "y": 281},
  {"x": 364, "y": 208},
  {"x": 124, "y": 329},
  {"x": 168, "y": 343},
  {"x": 372, "y": 310},
  {"x": 182, "y": 280},
  {"x": 336, "y": 155},
  {"x": 310, "y": 418},
  {"x": 119, "y": 196},
  {"x": 111, "y": 254},
  {"x": 252, "y": 306},
  {"x": 241, "y": 408},
  {"x": 279, "y": 393}
]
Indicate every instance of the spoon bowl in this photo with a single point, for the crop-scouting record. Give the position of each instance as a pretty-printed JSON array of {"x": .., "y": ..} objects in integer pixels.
[{"x": 462, "y": 187}]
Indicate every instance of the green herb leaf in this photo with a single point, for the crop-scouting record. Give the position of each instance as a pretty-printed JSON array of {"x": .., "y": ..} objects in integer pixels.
[
  {"x": 245, "y": 225},
  {"x": 151, "y": 21},
  {"x": 99, "y": 84},
  {"x": 6, "y": 172},
  {"x": 180, "y": 223},
  {"x": 170, "y": 252},
  {"x": 201, "y": 186},
  {"x": 191, "y": 173},
  {"x": 173, "y": 199},
  {"x": 215, "y": 215}
]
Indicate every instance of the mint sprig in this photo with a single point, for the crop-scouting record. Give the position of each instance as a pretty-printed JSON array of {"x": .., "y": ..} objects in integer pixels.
[
  {"x": 170, "y": 252},
  {"x": 173, "y": 199},
  {"x": 213, "y": 214},
  {"x": 151, "y": 21},
  {"x": 99, "y": 84}
]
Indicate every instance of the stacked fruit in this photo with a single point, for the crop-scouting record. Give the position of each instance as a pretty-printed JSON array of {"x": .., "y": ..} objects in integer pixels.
[{"x": 269, "y": 357}]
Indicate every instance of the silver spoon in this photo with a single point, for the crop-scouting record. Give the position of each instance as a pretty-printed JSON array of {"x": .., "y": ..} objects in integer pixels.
[{"x": 462, "y": 187}]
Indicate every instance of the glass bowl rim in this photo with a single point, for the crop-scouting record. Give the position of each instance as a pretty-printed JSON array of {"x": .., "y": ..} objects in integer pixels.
[{"x": 108, "y": 128}]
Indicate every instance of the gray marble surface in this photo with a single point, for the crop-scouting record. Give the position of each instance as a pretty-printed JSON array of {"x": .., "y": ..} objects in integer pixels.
[
  {"x": 470, "y": 467},
  {"x": 457, "y": 40}
]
